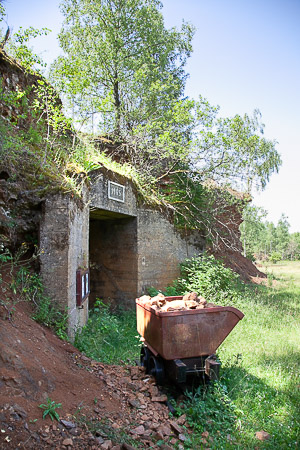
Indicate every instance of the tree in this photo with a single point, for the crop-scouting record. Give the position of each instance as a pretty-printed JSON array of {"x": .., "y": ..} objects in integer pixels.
[
  {"x": 253, "y": 231},
  {"x": 123, "y": 66},
  {"x": 293, "y": 249},
  {"x": 120, "y": 61},
  {"x": 282, "y": 235},
  {"x": 234, "y": 150}
]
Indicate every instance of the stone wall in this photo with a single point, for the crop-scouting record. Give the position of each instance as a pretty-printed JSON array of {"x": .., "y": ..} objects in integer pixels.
[
  {"x": 64, "y": 237},
  {"x": 161, "y": 248},
  {"x": 99, "y": 194}
]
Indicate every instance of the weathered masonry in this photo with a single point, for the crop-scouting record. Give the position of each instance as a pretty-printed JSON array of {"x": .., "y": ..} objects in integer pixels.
[{"x": 111, "y": 248}]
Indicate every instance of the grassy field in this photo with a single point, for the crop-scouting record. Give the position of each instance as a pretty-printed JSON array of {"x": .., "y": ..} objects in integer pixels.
[
  {"x": 261, "y": 361},
  {"x": 259, "y": 385}
]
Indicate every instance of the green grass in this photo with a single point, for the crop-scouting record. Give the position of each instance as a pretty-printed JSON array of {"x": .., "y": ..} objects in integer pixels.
[
  {"x": 109, "y": 337},
  {"x": 259, "y": 385},
  {"x": 264, "y": 382}
]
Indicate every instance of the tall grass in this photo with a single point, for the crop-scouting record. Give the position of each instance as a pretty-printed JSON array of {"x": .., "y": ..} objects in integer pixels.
[{"x": 264, "y": 381}]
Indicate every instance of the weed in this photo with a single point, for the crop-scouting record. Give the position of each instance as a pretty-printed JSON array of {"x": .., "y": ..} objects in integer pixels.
[
  {"x": 50, "y": 409},
  {"x": 208, "y": 410},
  {"x": 49, "y": 314}
]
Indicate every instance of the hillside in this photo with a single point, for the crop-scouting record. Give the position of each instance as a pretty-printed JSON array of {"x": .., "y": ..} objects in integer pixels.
[{"x": 119, "y": 403}]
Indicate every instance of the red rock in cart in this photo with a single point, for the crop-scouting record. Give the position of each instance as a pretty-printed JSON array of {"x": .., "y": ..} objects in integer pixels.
[
  {"x": 158, "y": 300},
  {"x": 191, "y": 304},
  {"x": 175, "y": 305},
  {"x": 189, "y": 301},
  {"x": 145, "y": 299},
  {"x": 190, "y": 296}
]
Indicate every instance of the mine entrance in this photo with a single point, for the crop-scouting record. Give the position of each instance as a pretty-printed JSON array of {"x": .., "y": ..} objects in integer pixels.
[{"x": 113, "y": 258}]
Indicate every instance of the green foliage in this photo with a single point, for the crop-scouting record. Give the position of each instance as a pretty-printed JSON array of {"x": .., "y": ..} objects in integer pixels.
[
  {"x": 121, "y": 62},
  {"x": 262, "y": 239},
  {"x": 253, "y": 230},
  {"x": 50, "y": 409},
  {"x": 18, "y": 47},
  {"x": 234, "y": 150},
  {"x": 12, "y": 281},
  {"x": 109, "y": 337},
  {"x": 293, "y": 249},
  {"x": 2, "y": 12},
  {"x": 208, "y": 277},
  {"x": 209, "y": 409},
  {"x": 275, "y": 257},
  {"x": 48, "y": 313}
]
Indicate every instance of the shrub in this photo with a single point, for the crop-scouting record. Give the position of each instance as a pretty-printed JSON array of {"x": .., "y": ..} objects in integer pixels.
[
  {"x": 208, "y": 277},
  {"x": 275, "y": 257}
]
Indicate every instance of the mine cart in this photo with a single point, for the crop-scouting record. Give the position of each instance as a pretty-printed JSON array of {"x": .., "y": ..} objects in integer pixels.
[{"x": 183, "y": 343}]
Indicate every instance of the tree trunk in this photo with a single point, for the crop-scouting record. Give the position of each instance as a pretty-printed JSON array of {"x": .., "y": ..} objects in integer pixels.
[{"x": 117, "y": 106}]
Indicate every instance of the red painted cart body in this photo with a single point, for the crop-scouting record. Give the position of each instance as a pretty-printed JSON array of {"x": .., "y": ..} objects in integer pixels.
[{"x": 185, "y": 334}]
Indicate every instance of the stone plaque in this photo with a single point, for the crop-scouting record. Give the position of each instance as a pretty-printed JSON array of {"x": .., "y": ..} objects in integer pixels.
[{"x": 116, "y": 192}]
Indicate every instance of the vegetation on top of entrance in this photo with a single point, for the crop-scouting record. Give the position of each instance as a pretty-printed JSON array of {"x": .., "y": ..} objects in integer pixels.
[{"x": 129, "y": 80}]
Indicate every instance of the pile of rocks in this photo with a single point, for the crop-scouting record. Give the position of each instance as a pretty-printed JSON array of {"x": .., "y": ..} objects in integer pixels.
[
  {"x": 162, "y": 303},
  {"x": 142, "y": 420}
]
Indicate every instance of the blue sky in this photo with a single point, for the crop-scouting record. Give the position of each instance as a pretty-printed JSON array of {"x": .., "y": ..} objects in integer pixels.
[{"x": 246, "y": 56}]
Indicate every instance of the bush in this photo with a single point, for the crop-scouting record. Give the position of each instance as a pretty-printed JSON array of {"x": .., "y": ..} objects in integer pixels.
[
  {"x": 275, "y": 257},
  {"x": 208, "y": 277}
]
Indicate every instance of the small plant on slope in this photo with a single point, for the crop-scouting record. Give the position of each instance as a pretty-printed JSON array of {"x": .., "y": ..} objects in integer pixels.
[{"x": 50, "y": 409}]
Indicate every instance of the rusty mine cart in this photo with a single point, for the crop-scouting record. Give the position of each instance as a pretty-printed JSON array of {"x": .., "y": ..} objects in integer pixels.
[{"x": 182, "y": 344}]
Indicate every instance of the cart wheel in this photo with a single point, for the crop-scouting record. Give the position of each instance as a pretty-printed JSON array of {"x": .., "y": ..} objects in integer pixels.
[
  {"x": 156, "y": 368},
  {"x": 144, "y": 358}
]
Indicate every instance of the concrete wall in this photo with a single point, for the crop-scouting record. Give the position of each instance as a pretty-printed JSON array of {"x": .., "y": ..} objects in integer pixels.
[
  {"x": 99, "y": 194},
  {"x": 161, "y": 248},
  {"x": 64, "y": 237}
]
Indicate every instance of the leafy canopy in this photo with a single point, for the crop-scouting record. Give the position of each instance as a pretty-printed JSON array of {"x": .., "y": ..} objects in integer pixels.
[
  {"x": 120, "y": 61},
  {"x": 124, "y": 70}
]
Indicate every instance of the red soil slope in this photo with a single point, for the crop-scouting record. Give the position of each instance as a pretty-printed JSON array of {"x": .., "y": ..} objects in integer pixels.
[{"x": 35, "y": 365}]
